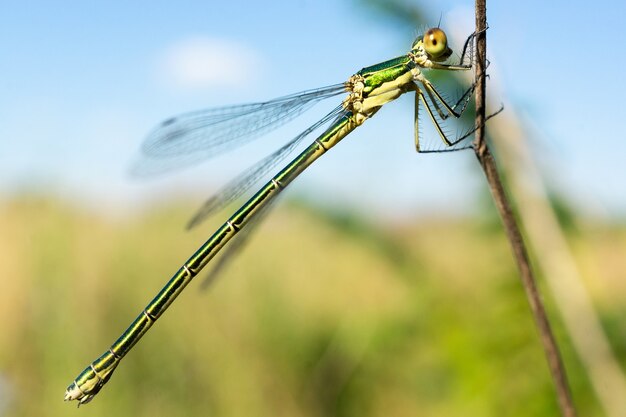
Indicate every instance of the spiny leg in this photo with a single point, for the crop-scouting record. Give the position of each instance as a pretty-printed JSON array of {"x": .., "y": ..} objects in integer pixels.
[
  {"x": 449, "y": 143},
  {"x": 416, "y": 122},
  {"x": 465, "y": 97},
  {"x": 466, "y": 45},
  {"x": 451, "y": 109},
  {"x": 442, "y": 134},
  {"x": 457, "y": 140},
  {"x": 468, "y": 42},
  {"x": 419, "y": 95}
]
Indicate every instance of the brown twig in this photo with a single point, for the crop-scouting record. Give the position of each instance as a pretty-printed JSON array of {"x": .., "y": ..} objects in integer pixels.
[{"x": 514, "y": 235}]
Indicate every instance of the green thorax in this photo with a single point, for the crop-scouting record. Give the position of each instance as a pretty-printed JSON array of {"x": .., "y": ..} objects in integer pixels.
[{"x": 384, "y": 72}]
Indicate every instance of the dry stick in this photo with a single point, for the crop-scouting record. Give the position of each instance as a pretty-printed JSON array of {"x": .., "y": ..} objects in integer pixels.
[{"x": 512, "y": 230}]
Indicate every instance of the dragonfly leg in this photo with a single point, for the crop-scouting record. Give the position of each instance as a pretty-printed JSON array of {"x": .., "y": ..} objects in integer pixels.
[
  {"x": 459, "y": 138},
  {"x": 416, "y": 122},
  {"x": 420, "y": 96},
  {"x": 463, "y": 101},
  {"x": 433, "y": 118}
]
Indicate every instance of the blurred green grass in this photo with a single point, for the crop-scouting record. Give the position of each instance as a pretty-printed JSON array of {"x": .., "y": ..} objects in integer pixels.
[{"x": 323, "y": 314}]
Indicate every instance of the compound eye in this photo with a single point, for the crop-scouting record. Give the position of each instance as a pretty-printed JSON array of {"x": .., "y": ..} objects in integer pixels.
[{"x": 435, "y": 42}]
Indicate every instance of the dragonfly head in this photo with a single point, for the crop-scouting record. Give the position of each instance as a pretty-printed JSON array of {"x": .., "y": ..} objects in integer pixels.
[{"x": 434, "y": 43}]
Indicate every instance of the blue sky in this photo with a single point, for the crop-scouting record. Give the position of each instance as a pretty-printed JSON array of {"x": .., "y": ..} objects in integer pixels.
[{"x": 84, "y": 82}]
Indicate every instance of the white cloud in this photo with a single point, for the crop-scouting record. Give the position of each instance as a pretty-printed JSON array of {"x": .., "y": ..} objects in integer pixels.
[{"x": 203, "y": 62}]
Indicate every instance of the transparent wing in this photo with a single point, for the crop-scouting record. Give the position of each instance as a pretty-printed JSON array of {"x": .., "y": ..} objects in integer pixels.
[
  {"x": 237, "y": 187},
  {"x": 242, "y": 183},
  {"x": 195, "y": 136}
]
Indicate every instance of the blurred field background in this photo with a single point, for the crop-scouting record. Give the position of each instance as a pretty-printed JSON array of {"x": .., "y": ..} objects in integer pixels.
[
  {"x": 396, "y": 295},
  {"x": 324, "y": 313}
]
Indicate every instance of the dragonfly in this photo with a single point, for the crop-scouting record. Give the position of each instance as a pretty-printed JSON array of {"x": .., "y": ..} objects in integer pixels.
[{"x": 202, "y": 134}]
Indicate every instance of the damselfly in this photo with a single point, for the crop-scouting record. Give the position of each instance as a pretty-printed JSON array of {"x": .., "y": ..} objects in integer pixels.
[{"x": 205, "y": 133}]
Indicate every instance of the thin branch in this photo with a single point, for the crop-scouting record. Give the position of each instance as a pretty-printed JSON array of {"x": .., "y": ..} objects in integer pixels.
[{"x": 514, "y": 235}]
